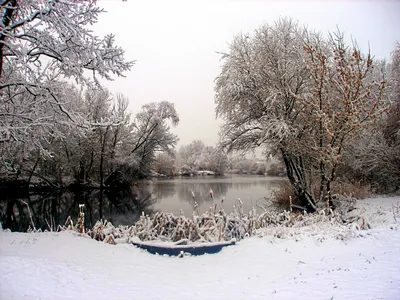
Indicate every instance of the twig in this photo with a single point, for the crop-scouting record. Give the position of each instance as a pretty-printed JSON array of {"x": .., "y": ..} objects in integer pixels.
[
  {"x": 30, "y": 215},
  {"x": 48, "y": 225},
  {"x": 299, "y": 207},
  {"x": 71, "y": 224},
  {"x": 394, "y": 213}
]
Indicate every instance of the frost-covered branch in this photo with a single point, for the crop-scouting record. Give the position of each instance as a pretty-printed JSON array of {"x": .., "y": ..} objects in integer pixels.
[
  {"x": 42, "y": 44},
  {"x": 288, "y": 89}
]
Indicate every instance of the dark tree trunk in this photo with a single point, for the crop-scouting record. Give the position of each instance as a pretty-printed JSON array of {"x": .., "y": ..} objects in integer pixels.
[
  {"x": 296, "y": 175},
  {"x": 33, "y": 169},
  {"x": 103, "y": 140}
]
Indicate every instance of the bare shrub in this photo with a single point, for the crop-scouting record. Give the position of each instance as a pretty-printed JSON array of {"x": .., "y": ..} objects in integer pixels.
[
  {"x": 348, "y": 189},
  {"x": 284, "y": 195}
]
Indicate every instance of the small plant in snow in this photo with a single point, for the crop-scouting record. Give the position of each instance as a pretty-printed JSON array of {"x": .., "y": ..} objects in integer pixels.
[
  {"x": 396, "y": 212},
  {"x": 81, "y": 218}
]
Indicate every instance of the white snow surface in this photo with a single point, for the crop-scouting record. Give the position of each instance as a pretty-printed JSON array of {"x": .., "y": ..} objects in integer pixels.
[{"x": 307, "y": 263}]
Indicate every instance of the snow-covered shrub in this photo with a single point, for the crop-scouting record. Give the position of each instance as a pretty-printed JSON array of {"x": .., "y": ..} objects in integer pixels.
[{"x": 214, "y": 226}]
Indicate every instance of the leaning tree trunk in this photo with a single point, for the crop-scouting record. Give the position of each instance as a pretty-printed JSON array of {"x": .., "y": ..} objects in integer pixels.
[{"x": 296, "y": 174}]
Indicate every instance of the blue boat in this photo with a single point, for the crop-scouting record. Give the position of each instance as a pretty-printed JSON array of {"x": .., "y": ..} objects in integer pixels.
[{"x": 178, "y": 249}]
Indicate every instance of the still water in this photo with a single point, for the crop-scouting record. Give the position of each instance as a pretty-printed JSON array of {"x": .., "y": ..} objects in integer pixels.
[
  {"x": 175, "y": 195},
  {"x": 124, "y": 207}
]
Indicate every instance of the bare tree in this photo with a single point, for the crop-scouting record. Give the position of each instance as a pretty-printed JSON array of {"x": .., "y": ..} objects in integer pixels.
[
  {"x": 375, "y": 155},
  {"x": 347, "y": 96}
]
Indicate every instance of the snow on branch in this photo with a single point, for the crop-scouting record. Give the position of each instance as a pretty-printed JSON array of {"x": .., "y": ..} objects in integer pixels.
[{"x": 44, "y": 43}]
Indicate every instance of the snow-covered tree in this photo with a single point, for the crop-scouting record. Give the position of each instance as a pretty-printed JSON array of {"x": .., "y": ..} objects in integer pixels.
[
  {"x": 164, "y": 163},
  {"x": 198, "y": 157},
  {"x": 347, "y": 97},
  {"x": 218, "y": 162},
  {"x": 86, "y": 155},
  {"x": 256, "y": 91},
  {"x": 43, "y": 43},
  {"x": 188, "y": 156},
  {"x": 301, "y": 95},
  {"x": 375, "y": 156},
  {"x": 150, "y": 133}
]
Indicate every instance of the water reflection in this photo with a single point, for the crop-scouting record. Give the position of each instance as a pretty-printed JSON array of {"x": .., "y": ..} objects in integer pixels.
[
  {"x": 175, "y": 195},
  {"x": 123, "y": 207},
  {"x": 52, "y": 209}
]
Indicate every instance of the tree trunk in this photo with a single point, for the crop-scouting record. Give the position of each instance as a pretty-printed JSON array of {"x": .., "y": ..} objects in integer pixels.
[
  {"x": 296, "y": 175},
  {"x": 33, "y": 169},
  {"x": 102, "y": 154},
  {"x": 323, "y": 181}
]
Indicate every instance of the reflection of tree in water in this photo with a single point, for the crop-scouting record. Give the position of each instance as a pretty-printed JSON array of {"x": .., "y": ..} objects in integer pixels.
[
  {"x": 128, "y": 205},
  {"x": 161, "y": 189},
  {"x": 120, "y": 207},
  {"x": 44, "y": 207}
]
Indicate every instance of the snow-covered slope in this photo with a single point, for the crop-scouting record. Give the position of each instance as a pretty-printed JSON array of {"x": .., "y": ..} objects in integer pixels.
[{"x": 301, "y": 266}]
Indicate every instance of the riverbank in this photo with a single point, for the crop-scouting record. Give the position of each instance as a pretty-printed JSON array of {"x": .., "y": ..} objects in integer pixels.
[{"x": 311, "y": 262}]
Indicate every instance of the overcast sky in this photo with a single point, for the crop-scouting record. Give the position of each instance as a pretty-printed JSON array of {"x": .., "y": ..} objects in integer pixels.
[{"x": 175, "y": 45}]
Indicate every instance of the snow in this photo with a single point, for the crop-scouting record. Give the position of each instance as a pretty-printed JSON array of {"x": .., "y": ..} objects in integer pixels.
[{"x": 306, "y": 264}]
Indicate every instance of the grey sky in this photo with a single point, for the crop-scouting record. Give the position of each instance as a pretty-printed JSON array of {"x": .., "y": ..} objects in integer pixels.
[{"x": 174, "y": 44}]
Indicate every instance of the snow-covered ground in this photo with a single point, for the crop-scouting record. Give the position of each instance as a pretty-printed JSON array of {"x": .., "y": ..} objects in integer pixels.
[{"x": 308, "y": 263}]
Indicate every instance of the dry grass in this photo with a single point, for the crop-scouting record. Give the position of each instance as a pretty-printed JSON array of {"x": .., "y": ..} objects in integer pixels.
[
  {"x": 216, "y": 225},
  {"x": 282, "y": 196},
  {"x": 356, "y": 190}
]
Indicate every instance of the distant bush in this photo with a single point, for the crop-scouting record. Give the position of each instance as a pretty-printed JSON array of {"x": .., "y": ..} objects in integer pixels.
[
  {"x": 275, "y": 169},
  {"x": 260, "y": 170}
]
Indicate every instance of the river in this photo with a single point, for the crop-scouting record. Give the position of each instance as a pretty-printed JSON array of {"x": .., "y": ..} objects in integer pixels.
[{"x": 125, "y": 207}]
